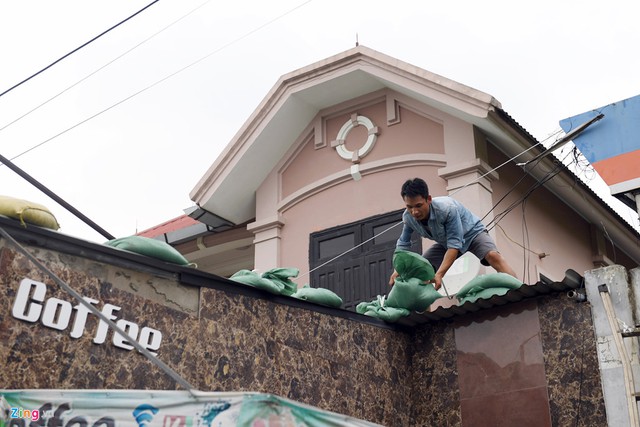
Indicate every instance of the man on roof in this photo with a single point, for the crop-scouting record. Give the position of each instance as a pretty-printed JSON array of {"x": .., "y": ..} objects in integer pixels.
[{"x": 453, "y": 227}]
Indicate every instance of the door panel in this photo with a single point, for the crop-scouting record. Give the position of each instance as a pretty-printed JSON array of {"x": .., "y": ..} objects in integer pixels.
[{"x": 360, "y": 274}]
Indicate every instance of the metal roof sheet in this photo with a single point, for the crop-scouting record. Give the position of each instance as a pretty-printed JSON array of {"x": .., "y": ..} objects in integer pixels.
[{"x": 571, "y": 281}]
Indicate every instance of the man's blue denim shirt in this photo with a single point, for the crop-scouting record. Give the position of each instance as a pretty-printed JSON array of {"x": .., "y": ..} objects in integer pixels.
[{"x": 450, "y": 224}]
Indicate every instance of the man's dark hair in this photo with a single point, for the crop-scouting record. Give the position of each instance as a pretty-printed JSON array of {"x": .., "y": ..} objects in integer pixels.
[{"x": 414, "y": 187}]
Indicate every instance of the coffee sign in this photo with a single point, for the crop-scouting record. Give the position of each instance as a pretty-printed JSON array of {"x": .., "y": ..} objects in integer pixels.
[{"x": 31, "y": 305}]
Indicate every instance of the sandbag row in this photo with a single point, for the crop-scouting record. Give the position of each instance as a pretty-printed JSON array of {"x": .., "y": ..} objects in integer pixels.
[{"x": 278, "y": 281}]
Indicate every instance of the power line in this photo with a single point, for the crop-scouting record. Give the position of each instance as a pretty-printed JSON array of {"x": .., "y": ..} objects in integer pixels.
[
  {"x": 78, "y": 48},
  {"x": 102, "y": 67},
  {"x": 162, "y": 79},
  {"x": 459, "y": 189}
]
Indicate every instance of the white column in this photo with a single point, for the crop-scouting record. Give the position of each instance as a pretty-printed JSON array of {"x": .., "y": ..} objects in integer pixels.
[{"x": 266, "y": 242}]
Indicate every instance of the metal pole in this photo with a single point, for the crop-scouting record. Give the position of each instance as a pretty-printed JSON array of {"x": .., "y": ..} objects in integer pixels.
[
  {"x": 627, "y": 370},
  {"x": 146, "y": 353},
  {"x": 55, "y": 197}
]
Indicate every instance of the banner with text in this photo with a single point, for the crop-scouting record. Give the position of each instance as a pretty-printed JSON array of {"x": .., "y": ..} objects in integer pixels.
[{"x": 141, "y": 408}]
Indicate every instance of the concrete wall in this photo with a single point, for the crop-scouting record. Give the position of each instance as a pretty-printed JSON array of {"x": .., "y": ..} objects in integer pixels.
[{"x": 624, "y": 289}]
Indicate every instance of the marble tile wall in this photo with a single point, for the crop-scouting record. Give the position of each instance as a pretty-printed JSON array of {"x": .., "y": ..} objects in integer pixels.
[
  {"x": 501, "y": 368},
  {"x": 436, "y": 394},
  {"x": 234, "y": 343},
  {"x": 571, "y": 362},
  {"x": 221, "y": 341}
]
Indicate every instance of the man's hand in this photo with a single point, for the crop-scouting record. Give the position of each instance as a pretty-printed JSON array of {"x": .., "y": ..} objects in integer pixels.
[
  {"x": 392, "y": 280},
  {"x": 437, "y": 281}
]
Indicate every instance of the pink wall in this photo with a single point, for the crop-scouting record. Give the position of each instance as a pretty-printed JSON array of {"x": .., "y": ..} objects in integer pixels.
[
  {"x": 549, "y": 227},
  {"x": 413, "y": 147},
  {"x": 414, "y": 134},
  {"x": 312, "y": 190}
]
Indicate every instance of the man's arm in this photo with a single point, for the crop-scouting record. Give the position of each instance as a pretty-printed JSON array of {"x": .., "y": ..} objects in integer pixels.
[
  {"x": 449, "y": 257},
  {"x": 404, "y": 242}
]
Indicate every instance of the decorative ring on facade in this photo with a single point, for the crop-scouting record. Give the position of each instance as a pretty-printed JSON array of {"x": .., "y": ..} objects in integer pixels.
[{"x": 355, "y": 156}]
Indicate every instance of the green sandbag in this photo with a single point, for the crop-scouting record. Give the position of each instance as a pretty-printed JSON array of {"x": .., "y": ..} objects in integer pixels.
[
  {"x": 319, "y": 296},
  {"x": 281, "y": 276},
  {"x": 252, "y": 278},
  {"x": 411, "y": 265},
  {"x": 412, "y": 294},
  {"x": 386, "y": 313},
  {"x": 150, "y": 247},
  {"x": 486, "y": 281},
  {"x": 362, "y": 307},
  {"x": 28, "y": 212},
  {"x": 482, "y": 294}
]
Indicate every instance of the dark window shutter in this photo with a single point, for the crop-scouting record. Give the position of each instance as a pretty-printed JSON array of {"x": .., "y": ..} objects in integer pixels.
[{"x": 362, "y": 273}]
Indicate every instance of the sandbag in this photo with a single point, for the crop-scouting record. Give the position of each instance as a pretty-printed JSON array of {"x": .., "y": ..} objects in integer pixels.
[
  {"x": 149, "y": 247},
  {"x": 412, "y": 294},
  {"x": 254, "y": 279},
  {"x": 482, "y": 294},
  {"x": 28, "y": 212},
  {"x": 378, "y": 308},
  {"x": 411, "y": 265},
  {"x": 486, "y": 281},
  {"x": 282, "y": 276},
  {"x": 319, "y": 296}
]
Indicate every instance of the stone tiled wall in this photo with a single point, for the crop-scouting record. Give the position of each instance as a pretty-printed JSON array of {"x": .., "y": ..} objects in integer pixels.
[
  {"x": 226, "y": 341},
  {"x": 436, "y": 393},
  {"x": 233, "y": 343},
  {"x": 571, "y": 362}
]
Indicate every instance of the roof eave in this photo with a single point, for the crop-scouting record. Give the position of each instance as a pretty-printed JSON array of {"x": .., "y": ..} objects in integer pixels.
[
  {"x": 228, "y": 187},
  {"x": 516, "y": 142}
]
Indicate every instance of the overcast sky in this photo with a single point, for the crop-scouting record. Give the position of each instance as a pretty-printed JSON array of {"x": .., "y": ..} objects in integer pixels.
[{"x": 175, "y": 93}]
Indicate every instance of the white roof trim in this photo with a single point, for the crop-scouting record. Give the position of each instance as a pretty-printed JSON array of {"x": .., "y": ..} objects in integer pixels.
[{"x": 228, "y": 187}]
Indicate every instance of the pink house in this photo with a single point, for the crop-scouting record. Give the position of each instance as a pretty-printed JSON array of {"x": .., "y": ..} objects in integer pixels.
[
  {"x": 312, "y": 181},
  {"x": 316, "y": 172}
]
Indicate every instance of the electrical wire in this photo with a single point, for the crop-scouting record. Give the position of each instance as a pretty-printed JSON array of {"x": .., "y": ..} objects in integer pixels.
[
  {"x": 160, "y": 81},
  {"x": 518, "y": 244},
  {"x": 537, "y": 162},
  {"x": 351, "y": 249},
  {"x": 231, "y": 43},
  {"x": 459, "y": 189},
  {"x": 78, "y": 48},
  {"x": 613, "y": 246},
  {"x": 102, "y": 67},
  {"x": 525, "y": 240},
  {"x": 523, "y": 200},
  {"x": 539, "y": 182}
]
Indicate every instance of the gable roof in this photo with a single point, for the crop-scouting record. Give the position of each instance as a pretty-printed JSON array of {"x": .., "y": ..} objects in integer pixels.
[{"x": 227, "y": 190}]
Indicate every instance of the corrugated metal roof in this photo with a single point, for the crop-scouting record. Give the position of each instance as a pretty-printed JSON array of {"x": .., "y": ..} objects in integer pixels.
[
  {"x": 571, "y": 281},
  {"x": 583, "y": 186}
]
